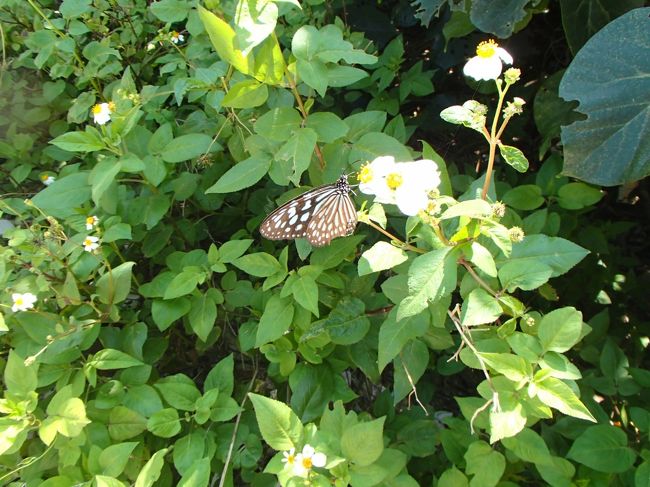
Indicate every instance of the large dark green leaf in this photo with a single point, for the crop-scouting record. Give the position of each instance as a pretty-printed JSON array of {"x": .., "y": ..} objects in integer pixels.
[{"x": 610, "y": 146}]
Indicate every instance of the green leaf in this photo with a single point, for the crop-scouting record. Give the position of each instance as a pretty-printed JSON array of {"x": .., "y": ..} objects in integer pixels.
[
  {"x": 179, "y": 391},
  {"x": 187, "y": 147},
  {"x": 233, "y": 249},
  {"x": 375, "y": 144},
  {"x": 409, "y": 366},
  {"x": 275, "y": 321},
  {"x": 88, "y": 141},
  {"x": 379, "y": 257},
  {"x": 202, "y": 315},
  {"x": 471, "y": 208},
  {"x": 164, "y": 423},
  {"x": 198, "y": 475},
  {"x": 221, "y": 376},
  {"x": 152, "y": 469},
  {"x": 482, "y": 258},
  {"x": 529, "y": 446},
  {"x": 556, "y": 394},
  {"x": 524, "y": 197},
  {"x": 514, "y": 157},
  {"x": 242, "y": 175},
  {"x": 347, "y": 323},
  {"x": 124, "y": 423},
  {"x": 114, "y": 286},
  {"x": 453, "y": 477},
  {"x": 20, "y": 379},
  {"x": 66, "y": 415},
  {"x": 328, "y": 126},
  {"x": 255, "y": 22},
  {"x": 557, "y": 253},
  {"x": 603, "y": 448},
  {"x": 338, "y": 76},
  {"x": 479, "y": 308},
  {"x": 497, "y": 18},
  {"x": 246, "y": 94},
  {"x": 560, "y": 329},
  {"x": 362, "y": 123},
  {"x": 431, "y": 277},
  {"x": 258, "y": 264},
  {"x": 395, "y": 334},
  {"x": 581, "y": 21},
  {"x": 164, "y": 313},
  {"x": 61, "y": 198},
  {"x": 114, "y": 458},
  {"x": 279, "y": 426},
  {"x": 576, "y": 196},
  {"x": 512, "y": 276},
  {"x": 484, "y": 463},
  {"x": 511, "y": 366},
  {"x": 102, "y": 177},
  {"x": 336, "y": 252},
  {"x": 170, "y": 10},
  {"x": 363, "y": 443},
  {"x": 184, "y": 283},
  {"x": 305, "y": 292},
  {"x": 278, "y": 124},
  {"x": 298, "y": 151},
  {"x": 609, "y": 146},
  {"x": 110, "y": 359},
  {"x": 223, "y": 40}
]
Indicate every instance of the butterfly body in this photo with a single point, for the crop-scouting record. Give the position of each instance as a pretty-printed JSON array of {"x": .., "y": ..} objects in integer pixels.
[{"x": 320, "y": 215}]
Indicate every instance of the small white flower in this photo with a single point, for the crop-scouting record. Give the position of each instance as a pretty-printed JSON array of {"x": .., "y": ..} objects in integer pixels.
[
  {"x": 487, "y": 63},
  {"x": 405, "y": 184},
  {"x": 305, "y": 461},
  {"x": 177, "y": 37},
  {"x": 47, "y": 179},
  {"x": 91, "y": 221},
  {"x": 22, "y": 302},
  {"x": 90, "y": 243},
  {"x": 151, "y": 46},
  {"x": 289, "y": 458},
  {"x": 102, "y": 112}
]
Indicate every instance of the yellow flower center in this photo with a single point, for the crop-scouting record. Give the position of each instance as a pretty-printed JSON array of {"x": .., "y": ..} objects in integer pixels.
[
  {"x": 306, "y": 462},
  {"x": 175, "y": 34},
  {"x": 365, "y": 175},
  {"x": 20, "y": 301},
  {"x": 487, "y": 49},
  {"x": 44, "y": 177},
  {"x": 97, "y": 109},
  {"x": 291, "y": 459},
  {"x": 88, "y": 242},
  {"x": 394, "y": 180},
  {"x": 90, "y": 220}
]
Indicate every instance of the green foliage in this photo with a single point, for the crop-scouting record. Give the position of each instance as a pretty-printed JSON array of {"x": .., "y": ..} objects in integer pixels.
[{"x": 152, "y": 337}]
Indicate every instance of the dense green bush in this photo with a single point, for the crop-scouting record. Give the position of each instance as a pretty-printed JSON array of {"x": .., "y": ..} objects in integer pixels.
[{"x": 480, "y": 327}]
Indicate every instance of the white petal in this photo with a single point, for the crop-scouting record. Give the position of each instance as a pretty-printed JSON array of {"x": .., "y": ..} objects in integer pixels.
[
  {"x": 411, "y": 202},
  {"x": 308, "y": 451},
  {"x": 483, "y": 68},
  {"x": 319, "y": 459},
  {"x": 504, "y": 55}
]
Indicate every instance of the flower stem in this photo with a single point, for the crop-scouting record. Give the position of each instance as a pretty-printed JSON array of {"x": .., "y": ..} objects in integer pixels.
[{"x": 402, "y": 245}]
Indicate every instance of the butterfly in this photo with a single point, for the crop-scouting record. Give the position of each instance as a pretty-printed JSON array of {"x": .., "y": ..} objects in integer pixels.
[{"x": 320, "y": 214}]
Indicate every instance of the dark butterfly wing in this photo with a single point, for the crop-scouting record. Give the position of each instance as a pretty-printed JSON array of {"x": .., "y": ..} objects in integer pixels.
[
  {"x": 292, "y": 219},
  {"x": 337, "y": 217}
]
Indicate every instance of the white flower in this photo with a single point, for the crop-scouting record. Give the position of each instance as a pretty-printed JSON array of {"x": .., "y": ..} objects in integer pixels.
[
  {"x": 91, "y": 221},
  {"x": 487, "y": 63},
  {"x": 177, "y": 37},
  {"x": 405, "y": 184},
  {"x": 22, "y": 302},
  {"x": 305, "y": 461},
  {"x": 47, "y": 179},
  {"x": 102, "y": 112},
  {"x": 90, "y": 243},
  {"x": 151, "y": 46},
  {"x": 289, "y": 458}
]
